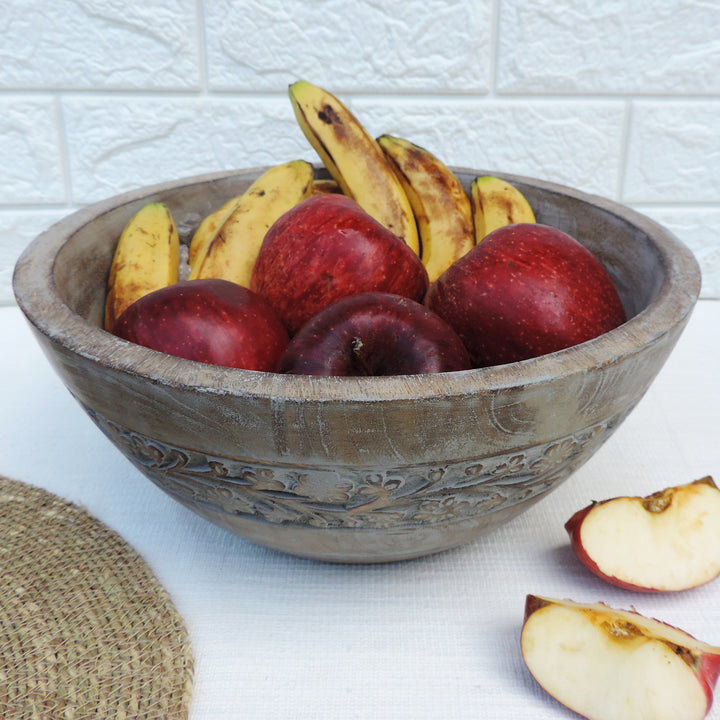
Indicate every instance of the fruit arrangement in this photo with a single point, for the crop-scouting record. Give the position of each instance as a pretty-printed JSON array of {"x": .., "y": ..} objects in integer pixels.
[
  {"x": 392, "y": 222},
  {"x": 390, "y": 267}
]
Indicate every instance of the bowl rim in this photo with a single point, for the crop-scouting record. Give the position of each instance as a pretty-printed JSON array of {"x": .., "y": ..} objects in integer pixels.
[{"x": 38, "y": 297}]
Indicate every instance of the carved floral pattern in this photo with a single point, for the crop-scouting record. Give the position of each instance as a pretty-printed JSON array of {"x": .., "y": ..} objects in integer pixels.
[{"x": 352, "y": 498}]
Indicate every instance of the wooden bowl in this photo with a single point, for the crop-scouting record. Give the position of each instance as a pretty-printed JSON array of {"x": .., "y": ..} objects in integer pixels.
[{"x": 356, "y": 469}]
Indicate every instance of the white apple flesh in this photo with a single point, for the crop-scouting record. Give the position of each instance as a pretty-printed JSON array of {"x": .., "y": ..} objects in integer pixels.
[
  {"x": 608, "y": 664},
  {"x": 667, "y": 541}
]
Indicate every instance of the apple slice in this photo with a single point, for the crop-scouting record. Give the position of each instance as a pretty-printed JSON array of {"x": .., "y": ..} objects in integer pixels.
[
  {"x": 667, "y": 541},
  {"x": 608, "y": 664}
]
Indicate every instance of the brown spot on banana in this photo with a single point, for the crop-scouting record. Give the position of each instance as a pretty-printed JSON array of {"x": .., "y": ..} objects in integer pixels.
[{"x": 329, "y": 116}]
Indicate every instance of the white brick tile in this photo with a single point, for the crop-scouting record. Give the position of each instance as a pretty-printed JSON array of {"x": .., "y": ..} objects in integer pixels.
[
  {"x": 674, "y": 152},
  {"x": 98, "y": 44},
  {"x": 697, "y": 227},
  {"x": 615, "y": 98},
  {"x": 17, "y": 230},
  {"x": 119, "y": 144},
  {"x": 408, "y": 46},
  {"x": 566, "y": 46},
  {"x": 572, "y": 143},
  {"x": 30, "y": 155}
]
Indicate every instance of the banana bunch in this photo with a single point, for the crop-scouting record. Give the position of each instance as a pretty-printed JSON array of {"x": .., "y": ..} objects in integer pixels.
[
  {"x": 496, "y": 203},
  {"x": 227, "y": 242},
  {"x": 403, "y": 186},
  {"x": 440, "y": 204},
  {"x": 146, "y": 258},
  {"x": 353, "y": 158}
]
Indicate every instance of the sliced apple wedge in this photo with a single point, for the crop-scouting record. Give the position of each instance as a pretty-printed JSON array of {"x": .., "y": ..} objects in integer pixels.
[
  {"x": 667, "y": 541},
  {"x": 608, "y": 664}
]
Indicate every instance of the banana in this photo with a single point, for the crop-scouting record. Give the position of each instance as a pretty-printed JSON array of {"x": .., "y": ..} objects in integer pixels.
[
  {"x": 354, "y": 159},
  {"x": 231, "y": 251},
  {"x": 496, "y": 203},
  {"x": 439, "y": 202},
  {"x": 207, "y": 229},
  {"x": 146, "y": 258}
]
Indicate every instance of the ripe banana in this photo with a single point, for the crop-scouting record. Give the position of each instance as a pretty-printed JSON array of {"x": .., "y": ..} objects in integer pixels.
[
  {"x": 439, "y": 201},
  {"x": 496, "y": 203},
  {"x": 231, "y": 251},
  {"x": 208, "y": 228},
  {"x": 354, "y": 159},
  {"x": 146, "y": 258}
]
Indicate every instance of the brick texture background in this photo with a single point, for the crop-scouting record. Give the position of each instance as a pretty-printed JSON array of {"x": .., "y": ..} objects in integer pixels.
[{"x": 617, "y": 98}]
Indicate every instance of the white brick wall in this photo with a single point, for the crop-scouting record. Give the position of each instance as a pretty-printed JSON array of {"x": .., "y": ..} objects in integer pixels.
[{"x": 618, "y": 98}]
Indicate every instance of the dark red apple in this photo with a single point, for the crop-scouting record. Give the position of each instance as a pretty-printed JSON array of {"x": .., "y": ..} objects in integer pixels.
[
  {"x": 526, "y": 290},
  {"x": 374, "y": 334},
  {"x": 326, "y": 248},
  {"x": 212, "y": 321}
]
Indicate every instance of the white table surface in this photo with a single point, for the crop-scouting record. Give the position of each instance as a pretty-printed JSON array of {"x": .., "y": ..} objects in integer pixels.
[{"x": 279, "y": 637}]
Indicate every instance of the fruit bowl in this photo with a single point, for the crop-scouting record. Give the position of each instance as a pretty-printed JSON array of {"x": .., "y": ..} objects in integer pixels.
[{"x": 356, "y": 469}]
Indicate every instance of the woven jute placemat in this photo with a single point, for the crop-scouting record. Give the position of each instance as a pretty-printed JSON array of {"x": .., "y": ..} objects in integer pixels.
[{"x": 86, "y": 630}]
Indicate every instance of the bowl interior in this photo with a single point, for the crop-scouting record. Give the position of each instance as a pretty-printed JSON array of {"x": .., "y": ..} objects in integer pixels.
[
  {"x": 638, "y": 266},
  {"x": 60, "y": 284}
]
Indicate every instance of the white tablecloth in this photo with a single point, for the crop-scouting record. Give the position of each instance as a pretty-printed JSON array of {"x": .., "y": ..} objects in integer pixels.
[{"x": 279, "y": 637}]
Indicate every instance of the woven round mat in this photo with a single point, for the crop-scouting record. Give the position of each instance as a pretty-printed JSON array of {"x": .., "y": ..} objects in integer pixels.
[{"x": 86, "y": 630}]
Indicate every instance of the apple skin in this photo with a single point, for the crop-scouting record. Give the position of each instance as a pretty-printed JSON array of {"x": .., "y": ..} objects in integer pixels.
[
  {"x": 326, "y": 248},
  {"x": 526, "y": 290},
  {"x": 210, "y": 320},
  {"x": 598, "y": 661},
  {"x": 665, "y": 542},
  {"x": 373, "y": 334}
]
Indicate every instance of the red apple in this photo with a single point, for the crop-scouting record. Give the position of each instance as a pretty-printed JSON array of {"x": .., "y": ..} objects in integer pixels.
[
  {"x": 212, "y": 321},
  {"x": 667, "y": 541},
  {"x": 326, "y": 248},
  {"x": 525, "y": 290},
  {"x": 608, "y": 664},
  {"x": 374, "y": 334}
]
